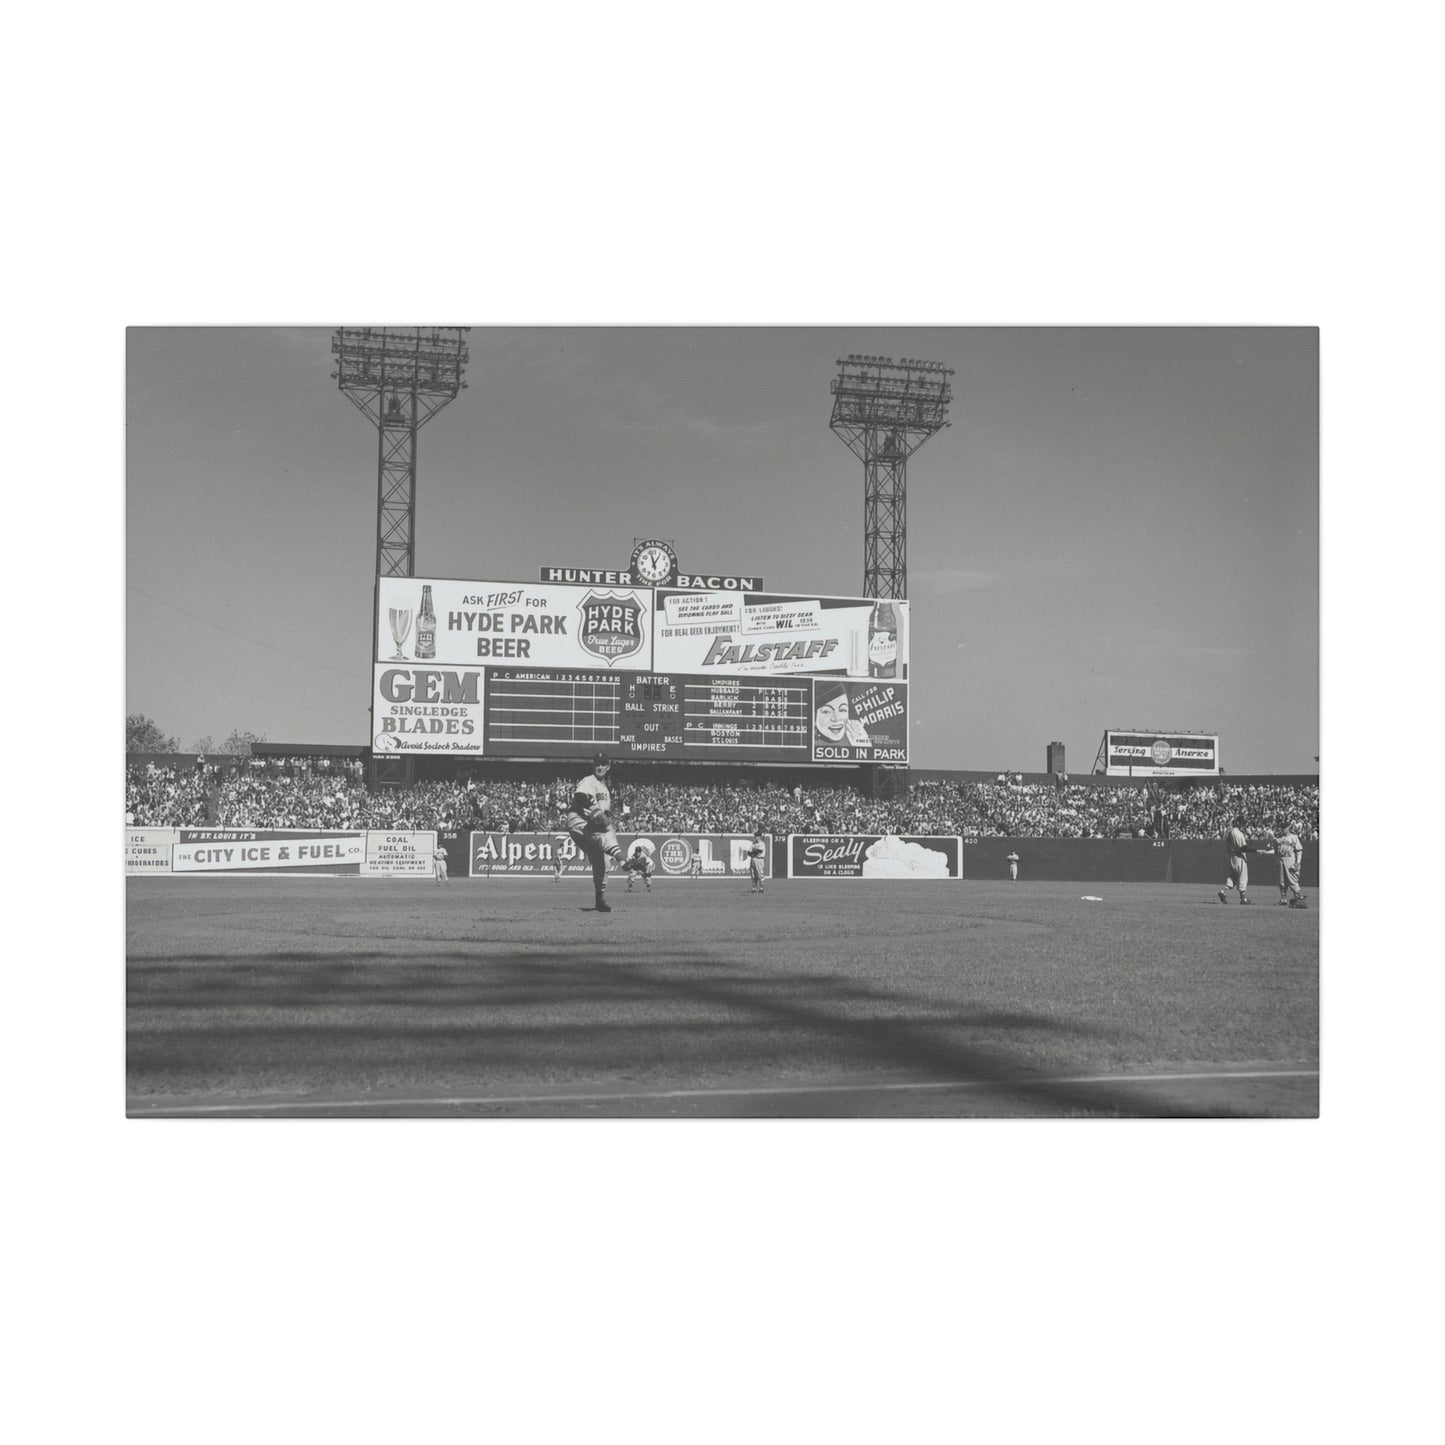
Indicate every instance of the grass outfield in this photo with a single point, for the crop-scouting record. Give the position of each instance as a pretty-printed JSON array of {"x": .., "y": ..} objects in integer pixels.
[{"x": 512, "y": 998}]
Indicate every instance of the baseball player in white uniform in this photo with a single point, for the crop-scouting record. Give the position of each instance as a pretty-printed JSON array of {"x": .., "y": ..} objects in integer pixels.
[
  {"x": 1291, "y": 854},
  {"x": 589, "y": 823},
  {"x": 757, "y": 851},
  {"x": 1236, "y": 846},
  {"x": 638, "y": 865}
]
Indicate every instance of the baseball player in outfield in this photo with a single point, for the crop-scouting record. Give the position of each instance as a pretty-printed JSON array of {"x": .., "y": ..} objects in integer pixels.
[
  {"x": 1013, "y": 866},
  {"x": 757, "y": 850},
  {"x": 1236, "y": 846},
  {"x": 589, "y": 824},
  {"x": 439, "y": 864},
  {"x": 1291, "y": 854},
  {"x": 638, "y": 865}
]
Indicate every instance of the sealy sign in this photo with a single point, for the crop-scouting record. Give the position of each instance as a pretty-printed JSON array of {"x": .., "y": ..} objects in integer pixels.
[{"x": 873, "y": 855}]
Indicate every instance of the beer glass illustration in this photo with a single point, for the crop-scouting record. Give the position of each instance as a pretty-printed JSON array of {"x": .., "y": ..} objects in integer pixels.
[{"x": 400, "y": 619}]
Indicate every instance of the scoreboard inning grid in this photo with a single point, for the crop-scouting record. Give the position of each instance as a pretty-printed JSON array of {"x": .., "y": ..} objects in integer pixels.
[
  {"x": 508, "y": 669},
  {"x": 529, "y": 713}
]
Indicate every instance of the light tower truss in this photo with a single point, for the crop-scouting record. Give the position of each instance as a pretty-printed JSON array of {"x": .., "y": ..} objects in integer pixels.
[
  {"x": 399, "y": 377},
  {"x": 884, "y": 410}
]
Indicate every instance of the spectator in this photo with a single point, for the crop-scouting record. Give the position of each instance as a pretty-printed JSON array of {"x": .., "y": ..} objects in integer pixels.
[{"x": 272, "y": 793}]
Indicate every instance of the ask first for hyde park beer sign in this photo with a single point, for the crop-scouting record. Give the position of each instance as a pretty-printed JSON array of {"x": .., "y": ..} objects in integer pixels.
[{"x": 653, "y": 564}]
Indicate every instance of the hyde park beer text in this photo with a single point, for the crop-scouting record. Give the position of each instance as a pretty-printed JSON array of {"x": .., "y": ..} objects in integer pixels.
[
  {"x": 426, "y": 627},
  {"x": 883, "y": 641}
]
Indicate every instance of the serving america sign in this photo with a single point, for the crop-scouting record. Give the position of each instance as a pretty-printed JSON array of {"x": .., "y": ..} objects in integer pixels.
[{"x": 1137, "y": 754}]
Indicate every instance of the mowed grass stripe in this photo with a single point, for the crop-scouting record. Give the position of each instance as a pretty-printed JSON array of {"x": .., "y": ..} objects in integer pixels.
[{"x": 515, "y": 989}]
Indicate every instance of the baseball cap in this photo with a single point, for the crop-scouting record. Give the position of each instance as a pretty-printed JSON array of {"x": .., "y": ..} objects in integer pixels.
[{"x": 601, "y": 758}]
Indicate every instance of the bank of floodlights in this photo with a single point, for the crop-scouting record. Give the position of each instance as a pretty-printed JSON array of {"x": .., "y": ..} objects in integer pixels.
[
  {"x": 910, "y": 396},
  {"x": 398, "y": 377},
  {"x": 399, "y": 359},
  {"x": 884, "y": 410}
]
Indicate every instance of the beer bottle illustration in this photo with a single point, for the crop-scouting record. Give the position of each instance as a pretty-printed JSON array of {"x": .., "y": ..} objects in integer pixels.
[
  {"x": 883, "y": 641},
  {"x": 426, "y": 627}
]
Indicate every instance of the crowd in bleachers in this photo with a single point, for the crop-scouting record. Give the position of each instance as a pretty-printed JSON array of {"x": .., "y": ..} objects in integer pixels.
[
  {"x": 158, "y": 797},
  {"x": 297, "y": 793}
]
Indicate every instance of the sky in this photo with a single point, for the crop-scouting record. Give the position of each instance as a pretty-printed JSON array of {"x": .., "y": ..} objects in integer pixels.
[{"x": 1119, "y": 527}]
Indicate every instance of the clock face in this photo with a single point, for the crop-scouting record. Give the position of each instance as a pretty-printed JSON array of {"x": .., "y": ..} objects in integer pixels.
[{"x": 653, "y": 563}]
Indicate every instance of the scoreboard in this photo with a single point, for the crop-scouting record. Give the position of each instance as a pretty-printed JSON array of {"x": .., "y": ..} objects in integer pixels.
[
  {"x": 532, "y": 712},
  {"x": 540, "y": 670},
  {"x": 540, "y": 712}
]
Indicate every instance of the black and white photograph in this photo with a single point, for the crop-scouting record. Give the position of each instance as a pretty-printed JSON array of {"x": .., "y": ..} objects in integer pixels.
[{"x": 526, "y": 596}]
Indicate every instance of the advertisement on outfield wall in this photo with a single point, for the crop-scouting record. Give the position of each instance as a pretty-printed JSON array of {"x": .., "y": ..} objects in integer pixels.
[
  {"x": 872, "y": 855},
  {"x": 381, "y": 853},
  {"x": 859, "y": 722},
  {"x": 400, "y": 853},
  {"x": 416, "y": 708},
  {"x": 777, "y": 634},
  {"x": 540, "y": 624},
  {"x": 673, "y": 855},
  {"x": 148, "y": 850},
  {"x": 1160, "y": 755}
]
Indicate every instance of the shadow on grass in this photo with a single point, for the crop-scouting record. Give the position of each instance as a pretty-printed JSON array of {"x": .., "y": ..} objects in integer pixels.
[{"x": 340, "y": 1018}]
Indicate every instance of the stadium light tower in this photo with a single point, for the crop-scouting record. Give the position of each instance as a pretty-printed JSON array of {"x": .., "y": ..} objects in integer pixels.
[
  {"x": 884, "y": 410},
  {"x": 399, "y": 377}
]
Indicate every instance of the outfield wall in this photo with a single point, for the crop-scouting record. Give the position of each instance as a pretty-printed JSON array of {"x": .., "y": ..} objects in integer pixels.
[
  {"x": 674, "y": 855},
  {"x": 403, "y": 853},
  {"x": 1123, "y": 860},
  {"x": 407, "y": 853},
  {"x": 1083, "y": 860},
  {"x": 285, "y": 852}
]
